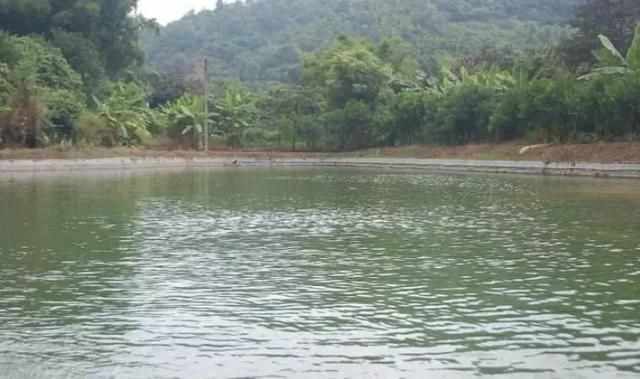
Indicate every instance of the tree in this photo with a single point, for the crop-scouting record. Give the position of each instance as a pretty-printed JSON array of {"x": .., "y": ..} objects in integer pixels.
[
  {"x": 400, "y": 55},
  {"x": 166, "y": 88},
  {"x": 349, "y": 77},
  {"x": 294, "y": 109},
  {"x": 410, "y": 113},
  {"x": 104, "y": 28},
  {"x": 84, "y": 57},
  {"x": 613, "y": 18},
  {"x": 612, "y": 60},
  {"x": 43, "y": 91},
  {"x": 347, "y": 71}
]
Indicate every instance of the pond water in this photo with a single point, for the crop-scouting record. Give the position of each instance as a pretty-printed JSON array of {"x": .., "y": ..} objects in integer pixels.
[{"x": 300, "y": 273}]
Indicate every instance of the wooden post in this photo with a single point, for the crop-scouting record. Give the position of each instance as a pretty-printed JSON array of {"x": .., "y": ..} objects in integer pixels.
[{"x": 206, "y": 106}]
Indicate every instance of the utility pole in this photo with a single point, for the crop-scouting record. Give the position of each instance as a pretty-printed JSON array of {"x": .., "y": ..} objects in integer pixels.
[{"x": 206, "y": 106}]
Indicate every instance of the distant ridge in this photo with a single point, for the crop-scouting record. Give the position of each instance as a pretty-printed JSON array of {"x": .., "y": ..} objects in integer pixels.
[{"x": 261, "y": 40}]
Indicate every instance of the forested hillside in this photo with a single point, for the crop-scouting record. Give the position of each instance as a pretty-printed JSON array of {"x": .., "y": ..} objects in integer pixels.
[{"x": 262, "y": 40}]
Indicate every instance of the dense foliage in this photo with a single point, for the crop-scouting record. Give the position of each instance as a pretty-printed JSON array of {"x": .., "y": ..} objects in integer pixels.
[
  {"x": 615, "y": 19},
  {"x": 56, "y": 56},
  {"x": 39, "y": 88},
  {"x": 365, "y": 102},
  {"x": 260, "y": 41},
  {"x": 399, "y": 72}
]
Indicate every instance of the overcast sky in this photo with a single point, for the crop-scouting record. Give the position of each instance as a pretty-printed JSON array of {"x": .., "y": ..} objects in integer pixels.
[{"x": 168, "y": 10}]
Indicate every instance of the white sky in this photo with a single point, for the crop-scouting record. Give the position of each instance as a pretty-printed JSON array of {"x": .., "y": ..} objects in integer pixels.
[{"x": 169, "y": 10}]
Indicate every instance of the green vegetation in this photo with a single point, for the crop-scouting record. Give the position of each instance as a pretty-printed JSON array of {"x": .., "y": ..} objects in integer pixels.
[
  {"x": 400, "y": 72},
  {"x": 261, "y": 41}
]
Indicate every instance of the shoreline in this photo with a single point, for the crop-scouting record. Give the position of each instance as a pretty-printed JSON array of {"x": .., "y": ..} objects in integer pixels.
[{"x": 579, "y": 169}]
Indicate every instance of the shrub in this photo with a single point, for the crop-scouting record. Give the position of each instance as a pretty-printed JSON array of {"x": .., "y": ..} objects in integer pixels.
[
  {"x": 90, "y": 129},
  {"x": 125, "y": 111}
]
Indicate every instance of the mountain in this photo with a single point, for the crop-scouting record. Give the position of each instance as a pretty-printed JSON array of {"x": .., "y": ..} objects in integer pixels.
[{"x": 260, "y": 41}]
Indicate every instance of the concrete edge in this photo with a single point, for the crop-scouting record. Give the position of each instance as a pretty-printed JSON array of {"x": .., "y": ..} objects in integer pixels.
[{"x": 603, "y": 170}]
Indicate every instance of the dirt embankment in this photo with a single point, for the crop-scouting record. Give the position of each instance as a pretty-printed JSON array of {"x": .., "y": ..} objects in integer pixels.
[{"x": 598, "y": 153}]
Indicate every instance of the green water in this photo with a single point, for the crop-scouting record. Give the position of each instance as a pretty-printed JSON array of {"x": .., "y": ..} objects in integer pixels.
[{"x": 318, "y": 273}]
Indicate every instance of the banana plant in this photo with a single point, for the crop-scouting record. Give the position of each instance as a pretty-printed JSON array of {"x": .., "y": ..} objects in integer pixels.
[
  {"x": 126, "y": 113},
  {"x": 187, "y": 114},
  {"x": 231, "y": 115},
  {"x": 614, "y": 62},
  {"x": 234, "y": 114},
  {"x": 447, "y": 80}
]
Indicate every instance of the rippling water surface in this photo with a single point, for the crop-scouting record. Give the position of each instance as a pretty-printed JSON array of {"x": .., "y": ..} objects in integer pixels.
[{"x": 318, "y": 273}]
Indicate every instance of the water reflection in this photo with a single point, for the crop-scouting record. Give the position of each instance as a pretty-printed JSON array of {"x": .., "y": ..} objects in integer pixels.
[{"x": 290, "y": 273}]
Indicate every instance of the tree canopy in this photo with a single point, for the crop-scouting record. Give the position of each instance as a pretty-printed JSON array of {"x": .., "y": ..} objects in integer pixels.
[
  {"x": 97, "y": 36},
  {"x": 615, "y": 19},
  {"x": 261, "y": 40}
]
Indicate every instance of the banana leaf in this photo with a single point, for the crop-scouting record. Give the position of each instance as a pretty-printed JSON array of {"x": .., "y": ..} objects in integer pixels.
[{"x": 608, "y": 45}]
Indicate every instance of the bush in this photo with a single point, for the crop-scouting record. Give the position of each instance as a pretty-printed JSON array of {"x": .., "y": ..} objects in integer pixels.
[
  {"x": 254, "y": 136},
  {"x": 410, "y": 112},
  {"x": 62, "y": 108},
  {"x": 5, "y": 86},
  {"x": 563, "y": 109},
  {"x": 91, "y": 130},
  {"x": 507, "y": 121},
  {"x": 461, "y": 115},
  {"x": 46, "y": 63},
  {"x": 41, "y": 90}
]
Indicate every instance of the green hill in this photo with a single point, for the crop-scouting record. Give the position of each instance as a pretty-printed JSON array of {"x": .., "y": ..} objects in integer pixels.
[{"x": 262, "y": 40}]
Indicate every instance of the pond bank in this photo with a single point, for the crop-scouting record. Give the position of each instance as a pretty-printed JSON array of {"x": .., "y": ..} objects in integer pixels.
[{"x": 604, "y": 170}]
